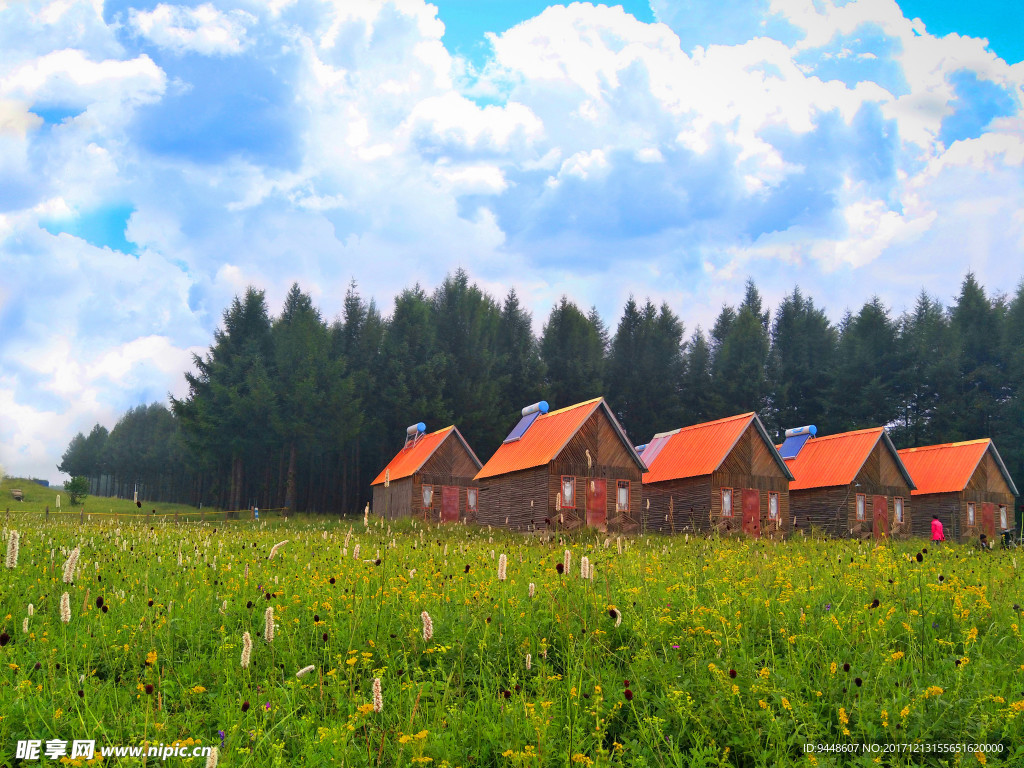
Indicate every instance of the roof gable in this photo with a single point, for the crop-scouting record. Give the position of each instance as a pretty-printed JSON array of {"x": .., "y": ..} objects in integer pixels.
[
  {"x": 700, "y": 449},
  {"x": 948, "y": 467},
  {"x": 547, "y": 436},
  {"x": 836, "y": 459},
  {"x": 412, "y": 457}
]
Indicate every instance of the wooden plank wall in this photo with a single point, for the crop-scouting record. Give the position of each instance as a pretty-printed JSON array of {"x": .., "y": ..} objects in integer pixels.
[
  {"x": 825, "y": 510},
  {"x": 394, "y": 501},
  {"x": 518, "y": 497},
  {"x": 951, "y": 509},
  {"x": 697, "y": 502}
]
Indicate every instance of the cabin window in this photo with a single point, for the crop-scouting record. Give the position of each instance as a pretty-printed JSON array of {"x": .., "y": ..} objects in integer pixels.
[
  {"x": 428, "y": 496},
  {"x": 727, "y": 502},
  {"x": 862, "y": 503},
  {"x": 899, "y": 509},
  {"x": 622, "y": 496},
  {"x": 1003, "y": 523},
  {"x": 970, "y": 513},
  {"x": 568, "y": 491},
  {"x": 471, "y": 499},
  {"x": 773, "y": 506}
]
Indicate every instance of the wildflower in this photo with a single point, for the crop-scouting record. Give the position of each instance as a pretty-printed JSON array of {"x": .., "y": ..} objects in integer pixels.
[
  {"x": 24, "y": 626},
  {"x": 305, "y": 671},
  {"x": 533, "y": 589},
  {"x": 246, "y": 650},
  {"x": 428, "y": 626},
  {"x": 99, "y": 601},
  {"x": 846, "y": 667},
  {"x": 919, "y": 557},
  {"x": 502, "y": 565},
  {"x": 763, "y": 674},
  {"x": 843, "y": 718},
  {"x": 615, "y": 614},
  {"x": 584, "y": 567},
  {"x": 65, "y": 608},
  {"x": 211, "y": 759},
  {"x": 628, "y": 694},
  {"x": 529, "y": 662},
  {"x": 858, "y": 682},
  {"x": 786, "y": 704},
  {"x": 149, "y": 689},
  {"x": 932, "y": 690},
  {"x": 273, "y": 549},
  {"x": 245, "y": 706},
  {"x": 268, "y": 622},
  {"x": 560, "y": 568},
  {"x": 732, "y": 673},
  {"x": 874, "y": 603},
  {"x": 378, "y": 697},
  {"x": 355, "y": 556},
  {"x": 566, "y": 562},
  {"x": 4, "y": 639},
  {"x": 151, "y": 658},
  {"x": 69, "y": 566},
  {"x": 467, "y": 569},
  {"x": 412, "y": 574},
  {"x": 31, "y": 609},
  {"x": 897, "y": 656},
  {"x": 12, "y": 550}
]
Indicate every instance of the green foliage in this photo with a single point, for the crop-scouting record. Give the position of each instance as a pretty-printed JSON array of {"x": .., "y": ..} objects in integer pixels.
[
  {"x": 77, "y": 488},
  {"x": 294, "y": 411},
  {"x": 735, "y": 651}
]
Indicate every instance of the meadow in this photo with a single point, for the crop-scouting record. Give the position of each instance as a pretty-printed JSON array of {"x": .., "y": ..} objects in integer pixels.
[{"x": 675, "y": 652}]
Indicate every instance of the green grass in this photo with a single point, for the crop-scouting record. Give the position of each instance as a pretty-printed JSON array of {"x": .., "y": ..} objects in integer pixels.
[{"x": 734, "y": 651}]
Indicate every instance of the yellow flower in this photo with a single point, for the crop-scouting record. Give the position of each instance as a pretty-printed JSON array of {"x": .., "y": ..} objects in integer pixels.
[
  {"x": 198, "y": 689},
  {"x": 785, "y": 703},
  {"x": 904, "y": 712},
  {"x": 763, "y": 674},
  {"x": 422, "y": 760},
  {"x": 843, "y": 717},
  {"x": 833, "y": 667},
  {"x": 365, "y": 708},
  {"x": 404, "y": 739},
  {"x": 352, "y": 661},
  {"x": 151, "y": 658},
  {"x": 981, "y": 757},
  {"x": 581, "y": 758},
  {"x": 57, "y": 714},
  {"x": 735, "y": 690},
  {"x": 422, "y": 735},
  {"x": 932, "y": 690},
  {"x": 897, "y": 656},
  {"x": 763, "y": 703}
]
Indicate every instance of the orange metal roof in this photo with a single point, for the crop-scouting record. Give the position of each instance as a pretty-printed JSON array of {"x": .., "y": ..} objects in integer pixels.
[
  {"x": 832, "y": 460},
  {"x": 544, "y": 440},
  {"x": 697, "y": 450},
  {"x": 408, "y": 460},
  {"x": 944, "y": 468}
]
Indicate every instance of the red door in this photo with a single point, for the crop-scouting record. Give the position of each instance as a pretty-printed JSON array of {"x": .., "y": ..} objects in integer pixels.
[
  {"x": 881, "y": 516},
  {"x": 988, "y": 520},
  {"x": 752, "y": 512},
  {"x": 450, "y": 504},
  {"x": 597, "y": 503}
]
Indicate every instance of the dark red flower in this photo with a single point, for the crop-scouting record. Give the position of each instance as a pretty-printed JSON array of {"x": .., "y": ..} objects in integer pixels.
[
  {"x": 628, "y": 694},
  {"x": 732, "y": 673},
  {"x": 245, "y": 706},
  {"x": 560, "y": 568},
  {"x": 149, "y": 689}
]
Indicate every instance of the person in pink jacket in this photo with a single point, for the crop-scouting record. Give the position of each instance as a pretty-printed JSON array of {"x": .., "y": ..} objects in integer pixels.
[{"x": 937, "y": 534}]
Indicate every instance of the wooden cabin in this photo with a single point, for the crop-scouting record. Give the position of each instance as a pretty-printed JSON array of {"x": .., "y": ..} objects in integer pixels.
[
  {"x": 724, "y": 476},
  {"x": 430, "y": 478},
  {"x": 564, "y": 469},
  {"x": 850, "y": 484},
  {"x": 966, "y": 484}
]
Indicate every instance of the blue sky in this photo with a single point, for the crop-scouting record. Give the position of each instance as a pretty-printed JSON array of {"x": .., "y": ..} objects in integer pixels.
[{"x": 158, "y": 157}]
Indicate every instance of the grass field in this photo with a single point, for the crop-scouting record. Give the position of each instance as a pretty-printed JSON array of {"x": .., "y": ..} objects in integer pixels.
[{"x": 727, "y": 652}]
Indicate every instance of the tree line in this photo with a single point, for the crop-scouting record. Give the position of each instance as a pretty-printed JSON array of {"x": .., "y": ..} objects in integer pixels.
[{"x": 295, "y": 411}]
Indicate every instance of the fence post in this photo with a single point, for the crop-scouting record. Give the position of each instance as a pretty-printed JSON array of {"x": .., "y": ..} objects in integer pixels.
[
  {"x": 81, "y": 516},
  {"x": 47, "y": 513},
  {"x": 175, "y": 517}
]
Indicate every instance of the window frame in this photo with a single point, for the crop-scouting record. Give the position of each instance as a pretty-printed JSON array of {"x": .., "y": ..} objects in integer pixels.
[
  {"x": 619, "y": 485},
  {"x": 773, "y": 496},
  {"x": 972, "y": 514},
  {"x": 862, "y": 507},
  {"x": 730, "y": 507},
  {"x": 423, "y": 498},
  {"x": 1004, "y": 517},
  {"x": 471, "y": 506},
  {"x": 572, "y": 482},
  {"x": 897, "y": 509}
]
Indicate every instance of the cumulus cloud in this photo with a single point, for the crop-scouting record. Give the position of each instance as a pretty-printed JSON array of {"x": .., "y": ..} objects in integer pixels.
[
  {"x": 840, "y": 144},
  {"x": 203, "y": 29}
]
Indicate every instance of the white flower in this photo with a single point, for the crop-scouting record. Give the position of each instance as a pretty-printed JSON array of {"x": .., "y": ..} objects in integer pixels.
[
  {"x": 533, "y": 588},
  {"x": 273, "y": 550},
  {"x": 502, "y": 565},
  {"x": 566, "y": 562},
  {"x": 305, "y": 671},
  {"x": 268, "y": 621},
  {"x": 12, "y": 550},
  {"x": 69, "y": 566},
  {"x": 355, "y": 553},
  {"x": 211, "y": 759},
  {"x": 428, "y": 626},
  {"x": 529, "y": 662},
  {"x": 246, "y": 650},
  {"x": 584, "y": 567},
  {"x": 65, "y": 608},
  {"x": 378, "y": 697}
]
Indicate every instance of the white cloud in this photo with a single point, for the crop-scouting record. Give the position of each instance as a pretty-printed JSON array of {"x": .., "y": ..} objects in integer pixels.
[{"x": 203, "y": 29}]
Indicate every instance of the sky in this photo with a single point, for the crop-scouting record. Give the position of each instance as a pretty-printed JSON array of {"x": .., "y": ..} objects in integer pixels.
[{"x": 157, "y": 158}]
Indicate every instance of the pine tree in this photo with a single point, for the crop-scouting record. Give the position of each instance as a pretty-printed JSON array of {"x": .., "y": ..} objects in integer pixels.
[{"x": 572, "y": 348}]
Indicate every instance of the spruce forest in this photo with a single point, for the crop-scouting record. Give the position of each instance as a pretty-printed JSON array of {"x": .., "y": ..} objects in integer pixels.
[{"x": 297, "y": 411}]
